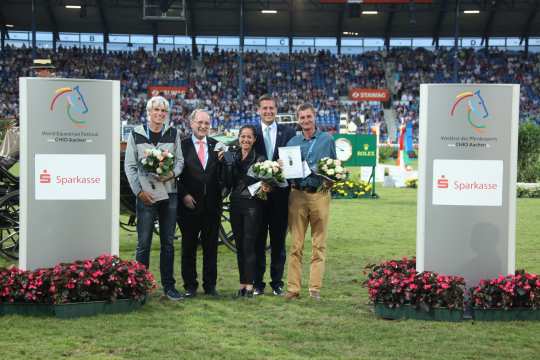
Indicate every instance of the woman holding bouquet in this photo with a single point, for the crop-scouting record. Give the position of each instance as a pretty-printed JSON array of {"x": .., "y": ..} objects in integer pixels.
[
  {"x": 245, "y": 207},
  {"x": 151, "y": 174}
]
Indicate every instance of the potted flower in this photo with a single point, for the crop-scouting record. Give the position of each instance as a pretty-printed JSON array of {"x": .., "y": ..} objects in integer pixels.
[
  {"x": 507, "y": 298},
  {"x": 411, "y": 183},
  {"x": 351, "y": 189},
  {"x": 398, "y": 291},
  {"x": 106, "y": 284},
  {"x": 25, "y": 292}
]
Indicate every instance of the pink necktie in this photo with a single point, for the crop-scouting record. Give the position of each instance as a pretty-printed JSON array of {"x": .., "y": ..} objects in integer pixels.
[{"x": 200, "y": 152}]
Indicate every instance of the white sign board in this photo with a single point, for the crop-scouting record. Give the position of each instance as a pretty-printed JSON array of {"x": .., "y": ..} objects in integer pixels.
[
  {"x": 70, "y": 177},
  {"x": 467, "y": 182}
]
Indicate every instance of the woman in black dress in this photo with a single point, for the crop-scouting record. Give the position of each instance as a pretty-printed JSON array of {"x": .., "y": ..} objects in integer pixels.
[{"x": 245, "y": 209}]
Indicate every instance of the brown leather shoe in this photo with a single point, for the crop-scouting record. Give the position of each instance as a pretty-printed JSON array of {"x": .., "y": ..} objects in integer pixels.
[
  {"x": 291, "y": 295},
  {"x": 315, "y": 295}
]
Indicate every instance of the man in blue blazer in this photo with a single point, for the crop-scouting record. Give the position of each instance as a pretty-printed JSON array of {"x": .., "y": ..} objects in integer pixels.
[{"x": 269, "y": 137}]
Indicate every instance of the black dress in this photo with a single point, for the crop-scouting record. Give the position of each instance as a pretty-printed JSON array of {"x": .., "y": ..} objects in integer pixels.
[{"x": 245, "y": 210}]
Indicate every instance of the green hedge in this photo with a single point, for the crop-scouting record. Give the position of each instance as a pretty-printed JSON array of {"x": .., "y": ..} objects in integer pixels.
[{"x": 529, "y": 153}]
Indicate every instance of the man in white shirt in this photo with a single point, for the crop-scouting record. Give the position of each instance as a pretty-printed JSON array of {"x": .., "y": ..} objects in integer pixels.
[
  {"x": 269, "y": 136},
  {"x": 199, "y": 210}
]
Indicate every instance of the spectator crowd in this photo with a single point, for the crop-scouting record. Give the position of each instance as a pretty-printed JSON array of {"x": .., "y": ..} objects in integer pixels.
[{"x": 212, "y": 80}]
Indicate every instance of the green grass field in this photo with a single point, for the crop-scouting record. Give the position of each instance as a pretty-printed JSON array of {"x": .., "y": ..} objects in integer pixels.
[{"x": 340, "y": 326}]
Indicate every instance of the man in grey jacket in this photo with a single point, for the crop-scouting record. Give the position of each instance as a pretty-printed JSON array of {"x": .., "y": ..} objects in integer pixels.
[{"x": 155, "y": 134}]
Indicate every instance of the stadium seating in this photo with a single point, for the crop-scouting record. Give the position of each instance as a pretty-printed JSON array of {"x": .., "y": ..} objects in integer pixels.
[{"x": 321, "y": 78}]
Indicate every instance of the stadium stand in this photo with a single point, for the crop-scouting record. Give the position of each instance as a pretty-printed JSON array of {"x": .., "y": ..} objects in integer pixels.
[{"x": 320, "y": 77}]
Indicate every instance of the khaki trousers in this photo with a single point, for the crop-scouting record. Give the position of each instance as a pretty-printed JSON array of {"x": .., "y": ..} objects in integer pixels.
[{"x": 313, "y": 209}]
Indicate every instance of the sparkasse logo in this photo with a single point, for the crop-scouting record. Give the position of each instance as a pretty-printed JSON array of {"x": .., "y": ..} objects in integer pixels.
[
  {"x": 442, "y": 182},
  {"x": 45, "y": 177}
]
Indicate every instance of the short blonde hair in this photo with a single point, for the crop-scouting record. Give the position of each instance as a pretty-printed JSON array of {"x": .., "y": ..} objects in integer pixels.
[{"x": 157, "y": 101}]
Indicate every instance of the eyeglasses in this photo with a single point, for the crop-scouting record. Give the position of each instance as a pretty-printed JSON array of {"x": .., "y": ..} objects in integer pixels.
[{"x": 162, "y": 110}]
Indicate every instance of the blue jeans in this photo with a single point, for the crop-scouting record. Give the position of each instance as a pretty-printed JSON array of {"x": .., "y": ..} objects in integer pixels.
[{"x": 165, "y": 212}]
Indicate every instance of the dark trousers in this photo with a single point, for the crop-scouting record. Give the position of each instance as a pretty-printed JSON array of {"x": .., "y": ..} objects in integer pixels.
[
  {"x": 274, "y": 222},
  {"x": 245, "y": 222},
  {"x": 165, "y": 211},
  {"x": 204, "y": 225}
]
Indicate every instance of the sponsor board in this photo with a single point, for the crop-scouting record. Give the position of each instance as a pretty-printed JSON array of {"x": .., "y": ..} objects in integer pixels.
[
  {"x": 70, "y": 177},
  {"x": 467, "y": 182},
  {"x": 359, "y": 94},
  {"x": 166, "y": 91}
]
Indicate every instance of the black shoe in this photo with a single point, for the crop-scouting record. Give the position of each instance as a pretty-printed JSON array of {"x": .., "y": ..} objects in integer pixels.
[
  {"x": 257, "y": 292},
  {"x": 212, "y": 292},
  {"x": 190, "y": 293},
  {"x": 278, "y": 291},
  {"x": 173, "y": 294},
  {"x": 241, "y": 293}
]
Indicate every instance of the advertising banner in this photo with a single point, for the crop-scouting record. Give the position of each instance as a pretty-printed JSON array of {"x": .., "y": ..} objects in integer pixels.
[
  {"x": 69, "y": 170},
  {"x": 70, "y": 176},
  {"x": 167, "y": 92},
  {"x": 359, "y": 94},
  {"x": 356, "y": 150},
  {"x": 467, "y": 179}
]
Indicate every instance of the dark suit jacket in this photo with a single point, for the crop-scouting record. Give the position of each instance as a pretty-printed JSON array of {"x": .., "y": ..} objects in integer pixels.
[
  {"x": 203, "y": 184},
  {"x": 284, "y": 134}
]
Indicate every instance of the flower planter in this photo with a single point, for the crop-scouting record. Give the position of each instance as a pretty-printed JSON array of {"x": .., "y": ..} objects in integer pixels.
[
  {"x": 123, "y": 306},
  {"x": 517, "y": 314},
  {"x": 409, "y": 312},
  {"x": 26, "y": 309},
  {"x": 74, "y": 310}
]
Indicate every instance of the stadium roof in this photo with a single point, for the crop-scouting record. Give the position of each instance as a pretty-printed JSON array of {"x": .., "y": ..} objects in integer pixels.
[{"x": 293, "y": 18}]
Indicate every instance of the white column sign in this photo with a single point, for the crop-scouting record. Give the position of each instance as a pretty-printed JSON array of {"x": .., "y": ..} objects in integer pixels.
[
  {"x": 467, "y": 179},
  {"x": 69, "y": 170}
]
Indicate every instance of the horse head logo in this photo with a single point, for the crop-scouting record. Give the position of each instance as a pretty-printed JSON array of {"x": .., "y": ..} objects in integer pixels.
[
  {"x": 74, "y": 103},
  {"x": 476, "y": 109}
]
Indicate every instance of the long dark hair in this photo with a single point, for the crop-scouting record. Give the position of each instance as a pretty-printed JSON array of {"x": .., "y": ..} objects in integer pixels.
[{"x": 248, "y": 127}]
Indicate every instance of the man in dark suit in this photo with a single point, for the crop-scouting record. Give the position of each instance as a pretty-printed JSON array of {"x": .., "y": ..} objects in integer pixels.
[
  {"x": 199, "y": 214},
  {"x": 270, "y": 136}
]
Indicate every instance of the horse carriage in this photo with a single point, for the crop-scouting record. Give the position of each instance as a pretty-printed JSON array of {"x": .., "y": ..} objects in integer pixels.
[
  {"x": 9, "y": 213},
  {"x": 128, "y": 219}
]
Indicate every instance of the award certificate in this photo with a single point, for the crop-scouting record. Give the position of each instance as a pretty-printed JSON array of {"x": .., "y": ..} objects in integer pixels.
[{"x": 292, "y": 162}]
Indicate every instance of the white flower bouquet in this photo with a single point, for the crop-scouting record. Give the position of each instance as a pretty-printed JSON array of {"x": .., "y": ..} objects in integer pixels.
[
  {"x": 269, "y": 172},
  {"x": 158, "y": 162},
  {"x": 331, "y": 170}
]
